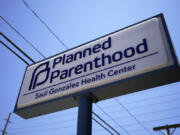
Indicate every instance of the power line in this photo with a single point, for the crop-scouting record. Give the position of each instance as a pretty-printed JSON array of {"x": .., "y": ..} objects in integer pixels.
[
  {"x": 123, "y": 110},
  {"x": 132, "y": 124},
  {"x": 68, "y": 126},
  {"x": 132, "y": 116},
  {"x": 37, "y": 120},
  {"x": 152, "y": 98},
  {"x": 106, "y": 123},
  {"x": 150, "y": 121},
  {"x": 44, "y": 124},
  {"x": 125, "y": 117},
  {"x": 17, "y": 47},
  {"x": 112, "y": 119},
  {"x": 134, "y": 108},
  {"x": 22, "y": 36},
  {"x": 50, "y": 123},
  {"x": 63, "y": 121},
  {"x": 43, "y": 130},
  {"x": 139, "y": 130},
  {"x": 175, "y": 93},
  {"x": 123, "y": 125},
  {"x": 40, "y": 130},
  {"x": 54, "y": 123},
  {"x": 163, "y": 102},
  {"x": 50, "y": 30},
  {"x": 102, "y": 126},
  {"x": 67, "y": 121},
  {"x": 142, "y": 106},
  {"x": 141, "y": 114},
  {"x": 14, "y": 53}
]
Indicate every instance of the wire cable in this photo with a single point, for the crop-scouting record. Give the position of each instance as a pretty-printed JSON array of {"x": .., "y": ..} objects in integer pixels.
[
  {"x": 163, "y": 102},
  {"x": 14, "y": 53},
  {"x": 44, "y": 124},
  {"x": 105, "y": 123},
  {"x": 132, "y": 116},
  {"x": 162, "y": 132},
  {"x": 40, "y": 130},
  {"x": 52, "y": 123},
  {"x": 50, "y": 30},
  {"x": 132, "y": 124},
  {"x": 17, "y": 47},
  {"x": 153, "y": 104},
  {"x": 141, "y": 114},
  {"x": 125, "y": 117},
  {"x": 38, "y": 120},
  {"x": 152, "y": 98},
  {"x": 113, "y": 119},
  {"x": 22, "y": 36},
  {"x": 10, "y": 129},
  {"x": 150, "y": 121},
  {"x": 102, "y": 125}
]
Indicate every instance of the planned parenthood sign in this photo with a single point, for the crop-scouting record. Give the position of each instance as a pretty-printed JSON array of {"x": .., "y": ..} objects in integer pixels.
[{"x": 129, "y": 59}]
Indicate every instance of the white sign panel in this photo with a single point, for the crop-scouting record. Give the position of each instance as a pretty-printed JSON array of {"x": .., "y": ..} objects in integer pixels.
[
  {"x": 129, "y": 60},
  {"x": 130, "y": 52}
]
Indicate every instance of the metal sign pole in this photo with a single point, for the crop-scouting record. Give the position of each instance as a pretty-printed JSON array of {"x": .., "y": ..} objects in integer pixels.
[{"x": 84, "y": 116}]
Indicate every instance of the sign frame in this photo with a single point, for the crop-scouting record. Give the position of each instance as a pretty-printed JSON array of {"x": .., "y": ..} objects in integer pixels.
[{"x": 69, "y": 101}]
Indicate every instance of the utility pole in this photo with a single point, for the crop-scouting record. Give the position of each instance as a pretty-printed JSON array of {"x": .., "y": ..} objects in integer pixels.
[
  {"x": 7, "y": 121},
  {"x": 167, "y": 128}
]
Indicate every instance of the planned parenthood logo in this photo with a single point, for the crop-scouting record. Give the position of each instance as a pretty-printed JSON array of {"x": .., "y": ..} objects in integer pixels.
[{"x": 37, "y": 73}]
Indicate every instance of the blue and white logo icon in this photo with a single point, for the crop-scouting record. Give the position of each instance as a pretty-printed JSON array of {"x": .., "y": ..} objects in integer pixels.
[{"x": 34, "y": 80}]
